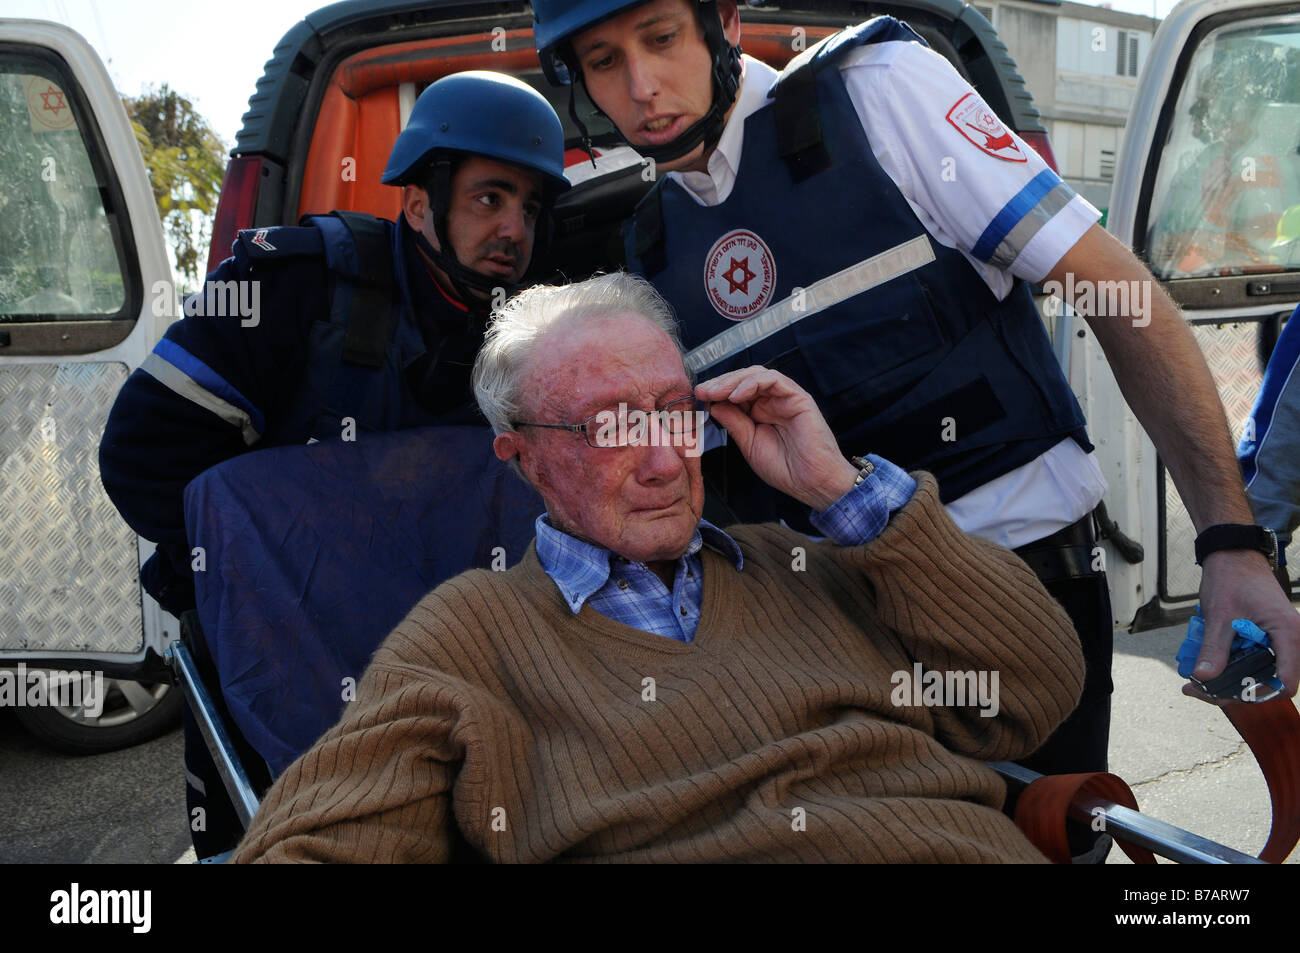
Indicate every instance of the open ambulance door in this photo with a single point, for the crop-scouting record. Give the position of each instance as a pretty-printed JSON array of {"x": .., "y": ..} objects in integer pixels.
[
  {"x": 1208, "y": 168},
  {"x": 82, "y": 261}
]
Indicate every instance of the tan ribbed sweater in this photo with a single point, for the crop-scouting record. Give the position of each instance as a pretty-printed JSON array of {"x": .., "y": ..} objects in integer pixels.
[{"x": 773, "y": 736}]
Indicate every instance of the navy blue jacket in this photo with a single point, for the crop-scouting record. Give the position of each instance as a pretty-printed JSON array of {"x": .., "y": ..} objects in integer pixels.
[
  {"x": 1269, "y": 451},
  {"x": 216, "y": 387}
]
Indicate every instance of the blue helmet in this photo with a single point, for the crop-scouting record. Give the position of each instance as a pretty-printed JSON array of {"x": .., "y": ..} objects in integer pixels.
[
  {"x": 477, "y": 113},
  {"x": 556, "y": 22},
  {"x": 486, "y": 114}
]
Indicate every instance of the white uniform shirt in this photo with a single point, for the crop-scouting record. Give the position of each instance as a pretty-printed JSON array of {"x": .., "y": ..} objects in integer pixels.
[{"x": 905, "y": 94}]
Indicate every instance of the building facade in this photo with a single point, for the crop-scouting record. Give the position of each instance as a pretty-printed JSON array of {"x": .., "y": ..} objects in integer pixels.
[{"x": 1081, "y": 65}]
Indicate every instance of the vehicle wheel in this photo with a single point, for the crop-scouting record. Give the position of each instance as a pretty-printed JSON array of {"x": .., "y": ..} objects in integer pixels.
[{"x": 132, "y": 713}]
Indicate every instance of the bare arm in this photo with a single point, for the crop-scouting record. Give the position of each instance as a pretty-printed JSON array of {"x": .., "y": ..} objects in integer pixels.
[{"x": 1164, "y": 378}]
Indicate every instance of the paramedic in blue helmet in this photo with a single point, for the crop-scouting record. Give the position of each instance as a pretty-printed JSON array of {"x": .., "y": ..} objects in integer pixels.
[
  {"x": 349, "y": 324},
  {"x": 866, "y": 224}
]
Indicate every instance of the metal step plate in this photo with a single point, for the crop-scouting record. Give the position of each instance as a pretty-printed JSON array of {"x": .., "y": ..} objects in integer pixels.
[
  {"x": 1231, "y": 350},
  {"x": 69, "y": 565}
]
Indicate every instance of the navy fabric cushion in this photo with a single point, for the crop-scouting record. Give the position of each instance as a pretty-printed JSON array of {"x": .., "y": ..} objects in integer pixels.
[{"x": 312, "y": 554}]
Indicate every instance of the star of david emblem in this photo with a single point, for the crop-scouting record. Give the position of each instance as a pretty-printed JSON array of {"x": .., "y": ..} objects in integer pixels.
[
  {"x": 55, "y": 95},
  {"x": 739, "y": 275},
  {"x": 740, "y": 284}
]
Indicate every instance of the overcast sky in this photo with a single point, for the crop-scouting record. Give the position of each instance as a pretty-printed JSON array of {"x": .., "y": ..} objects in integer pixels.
[{"x": 213, "y": 52}]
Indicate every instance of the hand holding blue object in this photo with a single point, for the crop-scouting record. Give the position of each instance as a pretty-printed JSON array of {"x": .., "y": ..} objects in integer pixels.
[{"x": 1251, "y": 672}]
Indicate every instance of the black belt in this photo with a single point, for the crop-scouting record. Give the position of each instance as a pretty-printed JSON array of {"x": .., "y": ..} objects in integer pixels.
[{"x": 1066, "y": 554}]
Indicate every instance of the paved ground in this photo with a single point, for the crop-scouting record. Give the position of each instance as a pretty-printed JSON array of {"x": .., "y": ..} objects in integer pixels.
[
  {"x": 123, "y": 807},
  {"x": 1182, "y": 758}
]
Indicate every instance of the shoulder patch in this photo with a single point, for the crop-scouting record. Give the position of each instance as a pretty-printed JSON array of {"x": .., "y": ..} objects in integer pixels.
[
  {"x": 266, "y": 243},
  {"x": 259, "y": 239},
  {"x": 983, "y": 129}
]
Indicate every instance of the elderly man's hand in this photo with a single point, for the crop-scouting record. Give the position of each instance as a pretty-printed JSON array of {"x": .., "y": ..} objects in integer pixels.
[{"x": 785, "y": 438}]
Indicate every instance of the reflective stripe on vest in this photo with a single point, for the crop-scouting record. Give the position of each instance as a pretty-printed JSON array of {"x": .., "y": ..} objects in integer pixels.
[
  {"x": 806, "y": 302},
  {"x": 180, "y": 371}
]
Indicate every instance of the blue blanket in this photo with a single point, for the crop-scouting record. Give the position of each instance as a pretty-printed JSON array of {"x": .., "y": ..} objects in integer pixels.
[{"x": 311, "y": 555}]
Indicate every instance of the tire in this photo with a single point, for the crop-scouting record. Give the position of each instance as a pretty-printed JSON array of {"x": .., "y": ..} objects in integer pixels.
[{"x": 133, "y": 713}]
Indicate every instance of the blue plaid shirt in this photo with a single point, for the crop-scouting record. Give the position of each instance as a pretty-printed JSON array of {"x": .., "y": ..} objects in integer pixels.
[{"x": 632, "y": 594}]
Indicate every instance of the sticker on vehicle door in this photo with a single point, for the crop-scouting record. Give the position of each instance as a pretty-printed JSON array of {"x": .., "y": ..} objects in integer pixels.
[{"x": 47, "y": 106}]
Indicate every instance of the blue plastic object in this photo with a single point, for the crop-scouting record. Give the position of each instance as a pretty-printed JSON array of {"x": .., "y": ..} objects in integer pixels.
[{"x": 1248, "y": 637}]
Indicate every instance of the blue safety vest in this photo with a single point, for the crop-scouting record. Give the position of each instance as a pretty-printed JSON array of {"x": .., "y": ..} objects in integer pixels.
[
  {"x": 358, "y": 352},
  {"x": 906, "y": 350}
]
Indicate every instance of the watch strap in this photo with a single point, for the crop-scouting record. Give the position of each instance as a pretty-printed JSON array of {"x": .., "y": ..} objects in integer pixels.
[
  {"x": 865, "y": 468},
  {"x": 1223, "y": 536}
]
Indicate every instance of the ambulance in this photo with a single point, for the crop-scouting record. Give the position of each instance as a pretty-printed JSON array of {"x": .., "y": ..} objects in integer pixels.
[{"x": 1206, "y": 190}]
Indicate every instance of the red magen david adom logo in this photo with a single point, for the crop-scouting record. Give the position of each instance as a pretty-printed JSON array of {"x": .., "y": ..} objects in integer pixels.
[
  {"x": 739, "y": 275},
  {"x": 976, "y": 122}
]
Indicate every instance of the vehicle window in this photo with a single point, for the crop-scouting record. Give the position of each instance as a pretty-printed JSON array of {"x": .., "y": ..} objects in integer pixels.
[
  {"x": 1226, "y": 199},
  {"x": 59, "y": 259}
]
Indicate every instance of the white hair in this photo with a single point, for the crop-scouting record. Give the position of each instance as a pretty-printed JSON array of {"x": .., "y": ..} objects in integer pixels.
[{"x": 515, "y": 327}]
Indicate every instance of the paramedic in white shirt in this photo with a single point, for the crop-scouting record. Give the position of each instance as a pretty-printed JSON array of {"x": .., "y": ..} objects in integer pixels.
[{"x": 652, "y": 68}]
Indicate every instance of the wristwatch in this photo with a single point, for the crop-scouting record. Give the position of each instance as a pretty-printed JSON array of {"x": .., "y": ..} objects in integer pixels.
[
  {"x": 1237, "y": 536},
  {"x": 865, "y": 468}
]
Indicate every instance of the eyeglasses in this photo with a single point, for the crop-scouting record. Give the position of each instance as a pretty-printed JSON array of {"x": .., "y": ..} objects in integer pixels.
[{"x": 678, "y": 420}]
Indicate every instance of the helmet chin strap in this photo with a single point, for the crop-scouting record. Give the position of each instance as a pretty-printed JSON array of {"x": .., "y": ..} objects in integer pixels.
[
  {"x": 463, "y": 280},
  {"x": 708, "y": 128}
]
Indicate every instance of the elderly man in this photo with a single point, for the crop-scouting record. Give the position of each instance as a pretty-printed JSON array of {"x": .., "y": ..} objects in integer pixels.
[
  {"x": 646, "y": 687},
  {"x": 872, "y": 159}
]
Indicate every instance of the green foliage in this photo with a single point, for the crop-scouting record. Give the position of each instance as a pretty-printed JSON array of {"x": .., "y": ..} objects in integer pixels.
[{"x": 186, "y": 162}]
